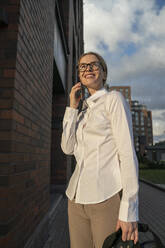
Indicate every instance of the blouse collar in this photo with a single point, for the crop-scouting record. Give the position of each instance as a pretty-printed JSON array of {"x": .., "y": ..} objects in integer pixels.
[{"x": 91, "y": 100}]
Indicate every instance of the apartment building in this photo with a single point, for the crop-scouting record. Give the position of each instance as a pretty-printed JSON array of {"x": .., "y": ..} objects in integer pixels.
[{"x": 142, "y": 126}]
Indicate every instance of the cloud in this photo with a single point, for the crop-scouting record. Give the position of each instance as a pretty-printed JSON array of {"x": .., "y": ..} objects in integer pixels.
[
  {"x": 158, "y": 125},
  {"x": 131, "y": 38},
  {"x": 111, "y": 24}
]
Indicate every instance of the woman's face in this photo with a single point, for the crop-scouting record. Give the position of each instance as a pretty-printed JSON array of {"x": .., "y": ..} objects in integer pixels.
[{"x": 92, "y": 77}]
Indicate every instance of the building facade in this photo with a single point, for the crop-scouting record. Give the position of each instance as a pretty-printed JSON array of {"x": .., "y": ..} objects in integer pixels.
[
  {"x": 125, "y": 90},
  {"x": 155, "y": 153},
  {"x": 142, "y": 127},
  {"x": 40, "y": 42}
]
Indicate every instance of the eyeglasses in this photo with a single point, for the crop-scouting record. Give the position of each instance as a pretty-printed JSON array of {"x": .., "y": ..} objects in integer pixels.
[{"x": 93, "y": 65}]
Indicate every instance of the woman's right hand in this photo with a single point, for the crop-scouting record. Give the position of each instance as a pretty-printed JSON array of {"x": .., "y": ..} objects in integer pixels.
[{"x": 74, "y": 100}]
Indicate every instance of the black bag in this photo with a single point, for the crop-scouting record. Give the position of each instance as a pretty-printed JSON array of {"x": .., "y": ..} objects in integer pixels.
[{"x": 115, "y": 239}]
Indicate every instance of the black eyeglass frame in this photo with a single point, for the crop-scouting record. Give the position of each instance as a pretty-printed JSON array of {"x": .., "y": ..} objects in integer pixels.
[{"x": 91, "y": 65}]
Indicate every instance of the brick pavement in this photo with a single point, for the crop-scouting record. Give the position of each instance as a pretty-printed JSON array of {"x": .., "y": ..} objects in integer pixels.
[{"x": 151, "y": 211}]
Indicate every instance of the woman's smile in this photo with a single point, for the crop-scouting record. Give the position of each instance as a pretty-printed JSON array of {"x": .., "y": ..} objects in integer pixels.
[{"x": 90, "y": 75}]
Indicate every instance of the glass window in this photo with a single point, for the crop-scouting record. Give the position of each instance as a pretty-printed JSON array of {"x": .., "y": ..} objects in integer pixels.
[{"x": 126, "y": 94}]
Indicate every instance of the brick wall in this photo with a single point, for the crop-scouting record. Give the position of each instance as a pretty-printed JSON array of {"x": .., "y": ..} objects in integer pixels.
[
  {"x": 58, "y": 158},
  {"x": 8, "y": 44},
  {"x": 26, "y": 70}
]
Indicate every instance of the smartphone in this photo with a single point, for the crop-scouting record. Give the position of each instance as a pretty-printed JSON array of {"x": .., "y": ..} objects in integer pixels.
[
  {"x": 78, "y": 93},
  {"x": 81, "y": 92}
]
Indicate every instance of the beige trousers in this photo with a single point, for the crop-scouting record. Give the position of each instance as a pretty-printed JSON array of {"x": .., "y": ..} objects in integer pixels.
[{"x": 90, "y": 224}]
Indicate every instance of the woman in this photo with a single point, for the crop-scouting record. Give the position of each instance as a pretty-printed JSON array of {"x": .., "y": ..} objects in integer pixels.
[{"x": 101, "y": 139}]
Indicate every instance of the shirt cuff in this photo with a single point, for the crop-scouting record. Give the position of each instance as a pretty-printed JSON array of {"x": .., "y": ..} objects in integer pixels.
[
  {"x": 129, "y": 212},
  {"x": 70, "y": 113}
]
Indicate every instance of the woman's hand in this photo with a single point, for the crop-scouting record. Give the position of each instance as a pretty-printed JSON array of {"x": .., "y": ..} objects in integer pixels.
[
  {"x": 129, "y": 230},
  {"x": 74, "y": 100}
]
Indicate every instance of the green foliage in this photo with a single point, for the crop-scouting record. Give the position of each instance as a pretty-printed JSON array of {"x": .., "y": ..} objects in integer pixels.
[
  {"x": 145, "y": 163},
  {"x": 153, "y": 175}
]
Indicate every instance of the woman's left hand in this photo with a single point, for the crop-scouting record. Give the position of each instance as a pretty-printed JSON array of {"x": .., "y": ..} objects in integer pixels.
[{"x": 129, "y": 230}]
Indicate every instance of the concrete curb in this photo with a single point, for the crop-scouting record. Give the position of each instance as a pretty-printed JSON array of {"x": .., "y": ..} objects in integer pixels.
[
  {"x": 52, "y": 216},
  {"x": 152, "y": 184},
  {"x": 52, "y": 211}
]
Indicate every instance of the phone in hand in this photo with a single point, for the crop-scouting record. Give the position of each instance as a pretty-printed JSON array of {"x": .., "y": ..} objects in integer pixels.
[
  {"x": 78, "y": 93},
  {"x": 81, "y": 92}
]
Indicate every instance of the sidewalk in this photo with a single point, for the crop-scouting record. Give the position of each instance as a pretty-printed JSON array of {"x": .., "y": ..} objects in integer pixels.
[
  {"x": 59, "y": 234},
  {"x": 151, "y": 211}
]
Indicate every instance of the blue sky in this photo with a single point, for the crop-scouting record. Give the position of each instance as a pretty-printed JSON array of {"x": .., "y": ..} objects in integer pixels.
[
  {"x": 160, "y": 3},
  {"x": 130, "y": 35}
]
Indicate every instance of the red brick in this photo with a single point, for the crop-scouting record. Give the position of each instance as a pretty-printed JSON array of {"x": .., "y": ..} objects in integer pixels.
[
  {"x": 7, "y": 63},
  {"x": 6, "y": 169},
  {"x": 4, "y": 158},
  {"x": 5, "y": 103},
  {"x": 5, "y": 114},
  {"x": 5, "y": 135},
  {"x": 13, "y": 8},
  {"x": 7, "y": 82},
  {"x": 16, "y": 2},
  {"x": 5, "y": 124},
  {"x": 9, "y": 73},
  {"x": 21, "y": 138},
  {"x": 17, "y": 117},
  {"x": 6, "y": 93},
  {"x": 22, "y": 129},
  {"x": 5, "y": 146}
]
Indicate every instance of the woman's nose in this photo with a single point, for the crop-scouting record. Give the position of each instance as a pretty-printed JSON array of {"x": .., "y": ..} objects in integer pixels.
[{"x": 89, "y": 67}]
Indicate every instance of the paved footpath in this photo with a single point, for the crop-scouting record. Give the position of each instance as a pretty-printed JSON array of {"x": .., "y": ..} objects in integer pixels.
[{"x": 151, "y": 211}]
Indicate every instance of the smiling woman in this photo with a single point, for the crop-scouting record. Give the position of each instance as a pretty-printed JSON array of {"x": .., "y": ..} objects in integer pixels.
[
  {"x": 100, "y": 137},
  {"x": 92, "y": 71}
]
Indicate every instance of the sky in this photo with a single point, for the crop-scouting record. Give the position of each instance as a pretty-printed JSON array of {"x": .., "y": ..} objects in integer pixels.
[{"x": 130, "y": 35}]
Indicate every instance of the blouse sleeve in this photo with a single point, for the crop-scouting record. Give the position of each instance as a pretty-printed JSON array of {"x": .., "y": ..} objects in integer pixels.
[
  {"x": 121, "y": 121},
  {"x": 68, "y": 134}
]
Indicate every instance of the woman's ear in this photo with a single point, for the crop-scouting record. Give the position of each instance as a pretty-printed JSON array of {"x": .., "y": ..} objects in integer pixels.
[{"x": 104, "y": 76}]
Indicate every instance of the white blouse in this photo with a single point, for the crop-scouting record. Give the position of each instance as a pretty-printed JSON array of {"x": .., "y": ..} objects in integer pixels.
[{"x": 101, "y": 139}]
